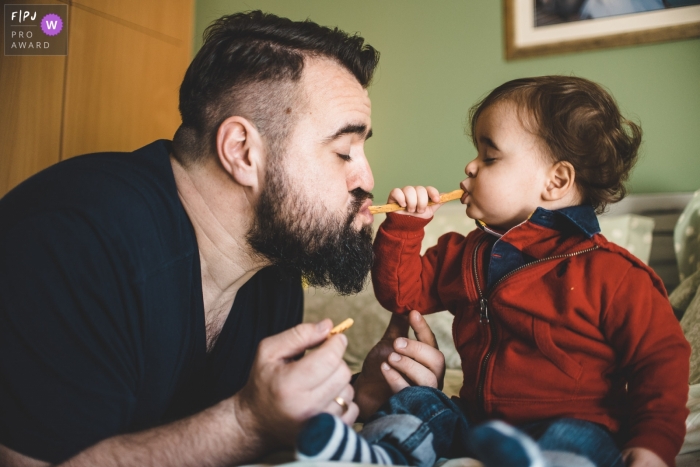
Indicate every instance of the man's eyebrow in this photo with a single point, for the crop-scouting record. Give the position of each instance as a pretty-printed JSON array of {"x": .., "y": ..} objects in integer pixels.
[{"x": 357, "y": 129}]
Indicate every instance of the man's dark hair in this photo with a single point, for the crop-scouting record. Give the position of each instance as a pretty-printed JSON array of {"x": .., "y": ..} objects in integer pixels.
[
  {"x": 250, "y": 65},
  {"x": 579, "y": 122}
]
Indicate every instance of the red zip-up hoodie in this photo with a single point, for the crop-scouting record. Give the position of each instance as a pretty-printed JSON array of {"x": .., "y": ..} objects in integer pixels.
[{"x": 551, "y": 320}]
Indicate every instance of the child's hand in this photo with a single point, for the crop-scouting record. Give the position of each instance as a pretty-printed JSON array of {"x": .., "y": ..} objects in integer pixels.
[
  {"x": 641, "y": 457},
  {"x": 415, "y": 199}
]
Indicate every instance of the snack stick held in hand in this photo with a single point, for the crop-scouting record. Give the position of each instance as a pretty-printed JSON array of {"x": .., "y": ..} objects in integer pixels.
[
  {"x": 342, "y": 327},
  {"x": 444, "y": 197}
]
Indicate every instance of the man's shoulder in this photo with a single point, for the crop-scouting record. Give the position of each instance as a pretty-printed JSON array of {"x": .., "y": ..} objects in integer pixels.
[
  {"x": 94, "y": 180},
  {"x": 129, "y": 200},
  {"x": 108, "y": 187}
]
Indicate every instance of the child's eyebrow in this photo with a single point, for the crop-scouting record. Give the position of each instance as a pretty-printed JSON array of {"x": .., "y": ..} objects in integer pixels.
[{"x": 488, "y": 142}]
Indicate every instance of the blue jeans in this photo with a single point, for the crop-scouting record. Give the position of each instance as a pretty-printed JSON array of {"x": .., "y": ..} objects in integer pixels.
[{"x": 425, "y": 425}]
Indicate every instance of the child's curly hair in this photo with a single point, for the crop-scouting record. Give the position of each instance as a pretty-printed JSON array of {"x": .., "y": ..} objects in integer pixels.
[{"x": 579, "y": 122}]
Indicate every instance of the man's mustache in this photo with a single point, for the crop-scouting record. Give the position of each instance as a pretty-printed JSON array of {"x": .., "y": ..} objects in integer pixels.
[{"x": 358, "y": 197}]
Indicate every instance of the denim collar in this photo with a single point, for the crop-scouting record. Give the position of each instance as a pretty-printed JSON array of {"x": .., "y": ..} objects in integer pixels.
[
  {"x": 506, "y": 256},
  {"x": 582, "y": 217}
]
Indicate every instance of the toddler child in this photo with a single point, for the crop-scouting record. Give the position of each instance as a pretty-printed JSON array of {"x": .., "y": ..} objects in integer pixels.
[{"x": 566, "y": 337}]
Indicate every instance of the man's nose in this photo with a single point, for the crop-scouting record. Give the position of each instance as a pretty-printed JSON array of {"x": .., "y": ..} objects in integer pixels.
[{"x": 362, "y": 176}]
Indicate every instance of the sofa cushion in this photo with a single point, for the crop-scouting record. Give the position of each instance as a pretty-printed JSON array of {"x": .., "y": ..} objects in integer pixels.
[{"x": 686, "y": 238}]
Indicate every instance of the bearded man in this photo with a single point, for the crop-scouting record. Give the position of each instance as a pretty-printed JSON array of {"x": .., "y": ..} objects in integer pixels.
[{"x": 150, "y": 301}]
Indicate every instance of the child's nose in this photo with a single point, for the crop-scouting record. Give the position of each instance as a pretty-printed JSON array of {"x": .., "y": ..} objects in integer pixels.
[{"x": 470, "y": 170}]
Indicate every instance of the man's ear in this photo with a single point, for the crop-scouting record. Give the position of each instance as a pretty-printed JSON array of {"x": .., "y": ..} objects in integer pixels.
[
  {"x": 241, "y": 150},
  {"x": 560, "y": 182}
]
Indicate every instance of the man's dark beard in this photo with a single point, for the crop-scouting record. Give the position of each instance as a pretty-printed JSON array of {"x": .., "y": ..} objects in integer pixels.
[{"x": 303, "y": 238}]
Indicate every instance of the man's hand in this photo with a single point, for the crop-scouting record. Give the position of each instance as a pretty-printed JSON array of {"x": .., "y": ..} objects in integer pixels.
[
  {"x": 282, "y": 393},
  {"x": 415, "y": 199},
  {"x": 397, "y": 362},
  {"x": 266, "y": 414},
  {"x": 641, "y": 457}
]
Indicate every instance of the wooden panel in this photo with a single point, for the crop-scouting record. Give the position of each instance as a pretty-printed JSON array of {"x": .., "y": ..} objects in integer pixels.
[
  {"x": 172, "y": 18},
  {"x": 31, "y": 92},
  {"x": 121, "y": 86}
]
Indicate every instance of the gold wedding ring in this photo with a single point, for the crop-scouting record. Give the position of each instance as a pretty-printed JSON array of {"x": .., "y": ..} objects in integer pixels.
[{"x": 341, "y": 402}]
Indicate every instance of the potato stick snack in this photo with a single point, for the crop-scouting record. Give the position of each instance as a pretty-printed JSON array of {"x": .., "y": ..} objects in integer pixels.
[
  {"x": 444, "y": 197},
  {"x": 342, "y": 327}
]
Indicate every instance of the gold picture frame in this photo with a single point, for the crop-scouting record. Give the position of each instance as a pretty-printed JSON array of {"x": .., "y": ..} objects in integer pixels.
[{"x": 524, "y": 39}]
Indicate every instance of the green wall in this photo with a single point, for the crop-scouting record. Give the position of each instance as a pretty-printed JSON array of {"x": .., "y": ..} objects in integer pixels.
[{"x": 438, "y": 58}]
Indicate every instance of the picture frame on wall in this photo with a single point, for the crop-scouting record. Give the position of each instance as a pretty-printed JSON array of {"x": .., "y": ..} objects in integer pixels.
[{"x": 544, "y": 27}]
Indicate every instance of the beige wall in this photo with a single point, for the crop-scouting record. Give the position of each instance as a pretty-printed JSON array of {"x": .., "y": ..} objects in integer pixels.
[{"x": 116, "y": 89}]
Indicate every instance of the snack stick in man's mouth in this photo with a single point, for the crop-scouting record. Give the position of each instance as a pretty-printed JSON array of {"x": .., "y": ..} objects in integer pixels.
[{"x": 342, "y": 327}]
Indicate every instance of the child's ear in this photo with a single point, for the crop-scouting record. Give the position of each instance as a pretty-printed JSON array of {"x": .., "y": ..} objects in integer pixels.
[
  {"x": 241, "y": 151},
  {"x": 560, "y": 181}
]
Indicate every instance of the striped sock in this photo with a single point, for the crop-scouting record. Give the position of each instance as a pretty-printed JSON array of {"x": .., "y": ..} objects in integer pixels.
[
  {"x": 326, "y": 437},
  {"x": 497, "y": 444}
]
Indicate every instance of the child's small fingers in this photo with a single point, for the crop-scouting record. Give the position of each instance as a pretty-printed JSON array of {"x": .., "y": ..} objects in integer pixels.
[
  {"x": 411, "y": 198},
  {"x": 397, "y": 196},
  {"x": 421, "y": 199},
  {"x": 433, "y": 193}
]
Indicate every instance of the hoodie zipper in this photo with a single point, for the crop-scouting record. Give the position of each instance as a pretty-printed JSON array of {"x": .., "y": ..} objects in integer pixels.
[{"x": 484, "y": 309}]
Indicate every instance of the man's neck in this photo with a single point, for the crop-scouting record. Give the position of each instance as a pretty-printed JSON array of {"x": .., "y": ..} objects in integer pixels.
[{"x": 221, "y": 215}]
